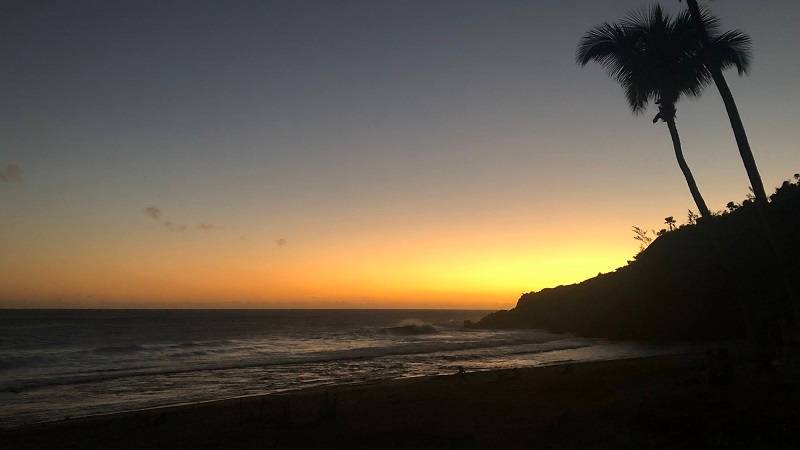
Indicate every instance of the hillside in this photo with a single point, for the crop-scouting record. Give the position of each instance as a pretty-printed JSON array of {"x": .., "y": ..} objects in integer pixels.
[{"x": 690, "y": 283}]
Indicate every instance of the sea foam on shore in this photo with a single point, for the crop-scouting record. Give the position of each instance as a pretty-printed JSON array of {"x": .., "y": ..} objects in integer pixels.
[{"x": 57, "y": 364}]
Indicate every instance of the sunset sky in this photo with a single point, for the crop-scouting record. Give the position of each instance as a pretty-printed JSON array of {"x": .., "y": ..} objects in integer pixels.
[{"x": 348, "y": 154}]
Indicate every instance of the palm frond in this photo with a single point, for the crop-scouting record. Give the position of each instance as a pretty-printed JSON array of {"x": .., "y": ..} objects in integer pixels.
[
  {"x": 650, "y": 17},
  {"x": 711, "y": 22},
  {"x": 599, "y": 44},
  {"x": 729, "y": 49},
  {"x": 655, "y": 57},
  {"x": 732, "y": 49}
]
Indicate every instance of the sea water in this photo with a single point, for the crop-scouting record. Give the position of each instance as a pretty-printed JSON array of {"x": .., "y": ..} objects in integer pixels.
[{"x": 56, "y": 364}]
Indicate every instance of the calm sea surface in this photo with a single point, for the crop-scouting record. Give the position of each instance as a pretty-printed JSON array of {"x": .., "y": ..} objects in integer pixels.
[{"x": 59, "y": 363}]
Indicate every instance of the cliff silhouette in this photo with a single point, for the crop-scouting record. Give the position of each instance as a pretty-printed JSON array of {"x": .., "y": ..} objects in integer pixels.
[{"x": 698, "y": 281}]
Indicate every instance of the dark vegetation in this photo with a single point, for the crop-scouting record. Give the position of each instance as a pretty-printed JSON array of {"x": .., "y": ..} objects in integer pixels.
[
  {"x": 697, "y": 281},
  {"x": 725, "y": 275}
]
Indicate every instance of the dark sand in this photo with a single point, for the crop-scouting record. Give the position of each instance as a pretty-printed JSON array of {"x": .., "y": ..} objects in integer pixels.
[{"x": 661, "y": 402}]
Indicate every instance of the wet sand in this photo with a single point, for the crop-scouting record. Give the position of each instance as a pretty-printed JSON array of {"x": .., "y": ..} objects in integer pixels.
[{"x": 682, "y": 401}]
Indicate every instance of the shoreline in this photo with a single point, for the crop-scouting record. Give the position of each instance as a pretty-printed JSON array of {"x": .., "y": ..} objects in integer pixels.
[
  {"x": 619, "y": 403},
  {"x": 685, "y": 350}
]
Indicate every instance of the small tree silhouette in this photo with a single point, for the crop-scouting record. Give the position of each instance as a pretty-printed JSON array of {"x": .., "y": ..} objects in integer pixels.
[
  {"x": 750, "y": 196},
  {"x": 670, "y": 221},
  {"x": 640, "y": 234},
  {"x": 691, "y": 218}
]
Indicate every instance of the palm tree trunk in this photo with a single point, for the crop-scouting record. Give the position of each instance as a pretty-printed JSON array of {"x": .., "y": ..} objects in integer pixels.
[
  {"x": 733, "y": 114},
  {"x": 687, "y": 173},
  {"x": 741, "y": 137},
  {"x": 789, "y": 311}
]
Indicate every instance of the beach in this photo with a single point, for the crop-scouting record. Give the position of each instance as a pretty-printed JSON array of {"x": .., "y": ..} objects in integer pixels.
[
  {"x": 58, "y": 364},
  {"x": 399, "y": 225},
  {"x": 677, "y": 401}
]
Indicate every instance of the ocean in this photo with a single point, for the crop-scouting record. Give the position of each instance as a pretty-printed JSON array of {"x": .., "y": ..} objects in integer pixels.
[{"x": 57, "y": 364}]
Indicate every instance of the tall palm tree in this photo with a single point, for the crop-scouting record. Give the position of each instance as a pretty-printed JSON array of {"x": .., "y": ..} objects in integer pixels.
[
  {"x": 709, "y": 38},
  {"x": 707, "y": 27},
  {"x": 655, "y": 58}
]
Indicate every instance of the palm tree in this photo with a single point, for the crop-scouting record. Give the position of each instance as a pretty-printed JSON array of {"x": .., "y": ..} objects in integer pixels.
[
  {"x": 655, "y": 58},
  {"x": 707, "y": 27},
  {"x": 670, "y": 222},
  {"x": 710, "y": 40}
]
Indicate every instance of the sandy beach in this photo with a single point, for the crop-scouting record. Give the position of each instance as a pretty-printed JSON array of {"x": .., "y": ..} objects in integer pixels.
[{"x": 683, "y": 401}]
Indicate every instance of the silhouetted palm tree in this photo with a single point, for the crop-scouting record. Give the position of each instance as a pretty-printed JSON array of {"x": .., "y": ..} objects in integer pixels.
[
  {"x": 670, "y": 221},
  {"x": 707, "y": 27},
  {"x": 655, "y": 58},
  {"x": 710, "y": 40}
]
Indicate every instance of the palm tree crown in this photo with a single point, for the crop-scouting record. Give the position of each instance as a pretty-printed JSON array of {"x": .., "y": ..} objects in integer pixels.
[
  {"x": 731, "y": 49},
  {"x": 658, "y": 58},
  {"x": 655, "y": 58}
]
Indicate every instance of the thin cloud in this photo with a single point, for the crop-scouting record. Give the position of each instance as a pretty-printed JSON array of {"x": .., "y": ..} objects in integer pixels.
[
  {"x": 175, "y": 227},
  {"x": 157, "y": 214},
  {"x": 11, "y": 173},
  {"x": 153, "y": 212}
]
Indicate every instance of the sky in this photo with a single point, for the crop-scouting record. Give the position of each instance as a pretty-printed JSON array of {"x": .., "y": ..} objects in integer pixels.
[{"x": 356, "y": 154}]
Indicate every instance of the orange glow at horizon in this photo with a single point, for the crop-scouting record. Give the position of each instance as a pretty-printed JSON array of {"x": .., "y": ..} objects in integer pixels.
[
  {"x": 456, "y": 268},
  {"x": 242, "y": 157}
]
